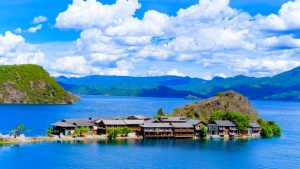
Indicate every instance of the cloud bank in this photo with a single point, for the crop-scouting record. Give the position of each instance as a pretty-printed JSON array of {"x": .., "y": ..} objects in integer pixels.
[{"x": 211, "y": 36}]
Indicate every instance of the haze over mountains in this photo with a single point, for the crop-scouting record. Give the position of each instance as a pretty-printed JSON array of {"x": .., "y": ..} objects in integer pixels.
[{"x": 284, "y": 86}]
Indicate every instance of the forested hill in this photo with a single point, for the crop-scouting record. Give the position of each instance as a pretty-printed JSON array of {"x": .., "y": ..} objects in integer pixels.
[
  {"x": 31, "y": 84},
  {"x": 284, "y": 86}
]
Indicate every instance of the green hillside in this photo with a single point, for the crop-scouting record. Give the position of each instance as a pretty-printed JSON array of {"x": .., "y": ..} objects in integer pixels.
[
  {"x": 31, "y": 84},
  {"x": 229, "y": 101}
]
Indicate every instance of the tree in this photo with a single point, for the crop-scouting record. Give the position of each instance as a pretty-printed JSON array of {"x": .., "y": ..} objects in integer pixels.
[
  {"x": 204, "y": 131},
  {"x": 269, "y": 128},
  {"x": 159, "y": 113},
  {"x": 126, "y": 130},
  {"x": 80, "y": 130},
  {"x": 49, "y": 131},
  {"x": 19, "y": 129}
]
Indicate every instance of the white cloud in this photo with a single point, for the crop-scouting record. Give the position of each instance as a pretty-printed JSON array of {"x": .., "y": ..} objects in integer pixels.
[
  {"x": 174, "y": 72},
  {"x": 34, "y": 29},
  {"x": 287, "y": 17},
  {"x": 83, "y": 14},
  {"x": 18, "y": 30},
  {"x": 39, "y": 19},
  {"x": 14, "y": 50},
  {"x": 211, "y": 34}
]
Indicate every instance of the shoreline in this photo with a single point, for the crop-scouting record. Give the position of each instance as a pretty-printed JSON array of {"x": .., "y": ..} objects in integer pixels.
[{"x": 44, "y": 139}]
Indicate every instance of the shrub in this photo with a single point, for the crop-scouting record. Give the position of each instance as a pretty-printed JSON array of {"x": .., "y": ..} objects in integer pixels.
[{"x": 269, "y": 128}]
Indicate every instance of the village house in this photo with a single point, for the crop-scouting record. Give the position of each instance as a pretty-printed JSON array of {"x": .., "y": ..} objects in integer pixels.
[
  {"x": 254, "y": 130},
  {"x": 103, "y": 124},
  {"x": 222, "y": 128},
  {"x": 198, "y": 124},
  {"x": 67, "y": 126},
  {"x": 157, "y": 130},
  {"x": 183, "y": 130}
]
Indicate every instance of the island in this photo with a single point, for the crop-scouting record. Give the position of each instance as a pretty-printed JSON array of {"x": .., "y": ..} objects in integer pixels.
[
  {"x": 31, "y": 84},
  {"x": 228, "y": 115}
]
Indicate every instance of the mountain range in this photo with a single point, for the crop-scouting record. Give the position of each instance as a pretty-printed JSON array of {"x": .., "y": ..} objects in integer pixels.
[{"x": 283, "y": 86}]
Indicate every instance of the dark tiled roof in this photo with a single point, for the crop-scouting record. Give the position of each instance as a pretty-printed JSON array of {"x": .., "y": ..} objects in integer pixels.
[
  {"x": 225, "y": 123},
  {"x": 140, "y": 117},
  {"x": 254, "y": 125},
  {"x": 113, "y": 122},
  {"x": 160, "y": 125},
  {"x": 182, "y": 125},
  {"x": 194, "y": 122},
  {"x": 173, "y": 119},
  {"x": 75, "y": 122},
  {"x": 134, "y": 122}
]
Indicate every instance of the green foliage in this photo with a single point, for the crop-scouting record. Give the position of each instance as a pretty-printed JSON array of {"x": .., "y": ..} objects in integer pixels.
[
  {"x": 159, "y": 113},
  {"x": 49, "y": 131},
  {"x": 269, "y": 128},
  {"x": 3, "y": 142},
  {"x": 204, "y": 131},
  {"x": 80, "y": 130},
  {"x": 35, "y": 82},
  {"x": 114, "y": 132},
  {"x": 126, "y": 130},
  {"x": 19, "y": 129},
  {"x": 240, "y": 120}
]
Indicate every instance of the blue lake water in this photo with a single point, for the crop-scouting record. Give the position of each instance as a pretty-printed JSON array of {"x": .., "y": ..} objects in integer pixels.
[{"x": 282, "y": 152}]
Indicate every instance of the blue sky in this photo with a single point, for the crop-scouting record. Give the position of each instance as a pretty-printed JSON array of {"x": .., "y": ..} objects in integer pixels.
[{"x": 152, "y": 37}]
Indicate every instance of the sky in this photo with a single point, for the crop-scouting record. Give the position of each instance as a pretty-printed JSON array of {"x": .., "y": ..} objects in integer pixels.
[{"x": 204, "y": 39}]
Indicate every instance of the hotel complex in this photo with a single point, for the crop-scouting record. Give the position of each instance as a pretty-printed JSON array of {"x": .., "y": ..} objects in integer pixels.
[{"x": 163, "y": 127}]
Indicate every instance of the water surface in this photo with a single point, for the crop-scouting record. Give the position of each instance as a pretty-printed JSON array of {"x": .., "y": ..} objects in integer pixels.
[{"x": 283, "y": 152}]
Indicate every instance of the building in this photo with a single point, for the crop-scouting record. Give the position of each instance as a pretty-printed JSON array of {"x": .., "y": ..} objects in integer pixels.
[
  {"x": 67, "y": 126},
  {"x": 157, "y": 130},
  {"x": 254, "y": 130},
  {"x": 135, "y": 125},
  {"x": 103, "y": 124},
  {"x": 183, "y": 130},
  {"x": 138, "y": 117},
  {"x": 198, "y": 124},
  {"x": 180, "y": 119},
  {"x": 222, "y": 128}
]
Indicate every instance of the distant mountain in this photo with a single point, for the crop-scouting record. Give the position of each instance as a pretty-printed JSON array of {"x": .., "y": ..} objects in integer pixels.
[
  {"x": 284, "y": 86},
  {"x": 31, "y": 84},
  {"x": 226, "y": 101}
]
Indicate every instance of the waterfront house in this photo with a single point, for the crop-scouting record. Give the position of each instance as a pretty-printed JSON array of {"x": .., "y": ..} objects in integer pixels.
[
  {"x": 135, "y": 125},
  {"x": 157, "y": 130},
  {"x": 198, "y": 124},
  {"x": 183, "y": 130},
  {"x": 103, "y": 124},
  {"x": 222, "y": 128},
  {"x": 254, "y": 130},
  {"x": 180, "y": 119},
  {"x": 67, "y": 126}
]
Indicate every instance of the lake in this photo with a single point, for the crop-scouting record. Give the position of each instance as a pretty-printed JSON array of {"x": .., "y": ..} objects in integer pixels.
[{"x": 281, "y": 152}]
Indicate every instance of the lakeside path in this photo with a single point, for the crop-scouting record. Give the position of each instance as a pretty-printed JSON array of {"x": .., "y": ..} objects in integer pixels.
[
  {"x": 39, "y": 139},
  {"x": 131, "y": 136}
]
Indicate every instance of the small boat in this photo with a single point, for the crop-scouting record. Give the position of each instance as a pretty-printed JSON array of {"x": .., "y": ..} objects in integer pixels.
[{"x": 58, "y": 141}]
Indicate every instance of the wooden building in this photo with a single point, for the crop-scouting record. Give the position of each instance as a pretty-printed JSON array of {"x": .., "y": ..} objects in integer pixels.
[
  {"x": 254, "y": 130},
  {"x": 67, "y": 126},
  {"x": 222, "y": 128},
  {"x": 183, "y": 130},
  {"x": 157, "y": 130},
  {"x": 135, "y": 125},
  {"x": 103, "y": 124}
]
